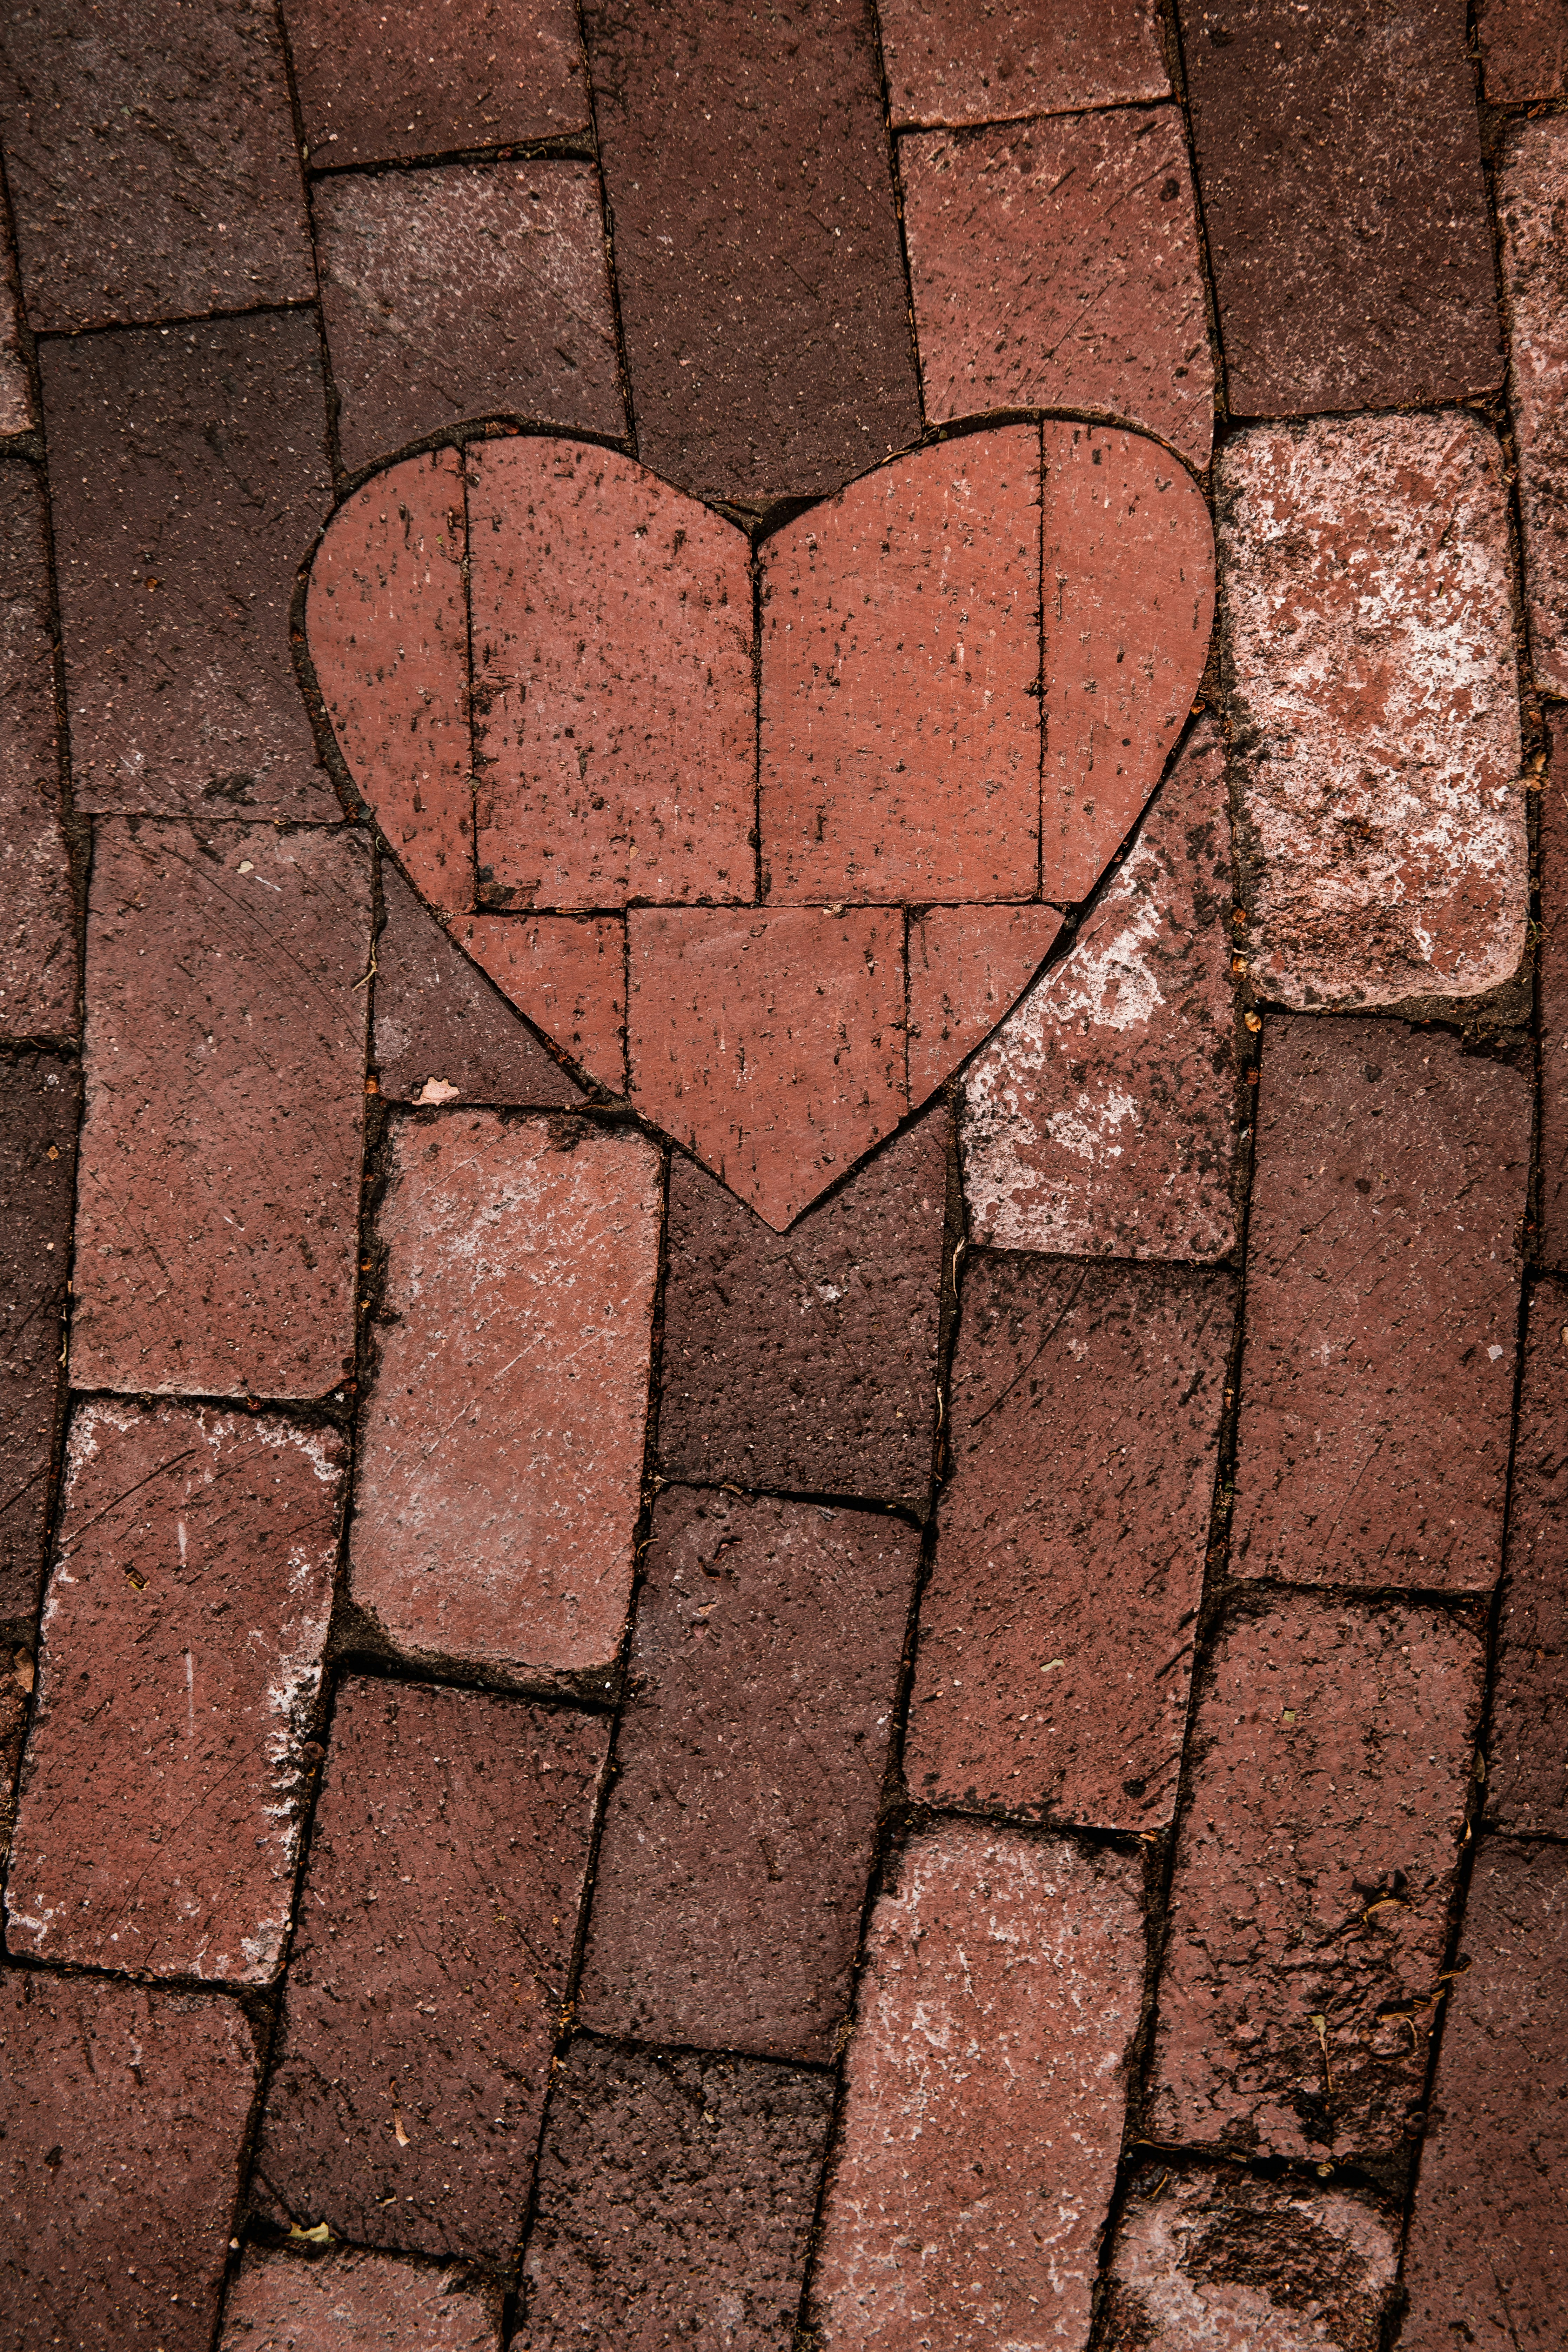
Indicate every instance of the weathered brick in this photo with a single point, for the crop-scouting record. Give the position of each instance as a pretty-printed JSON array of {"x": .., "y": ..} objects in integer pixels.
[
  {"x": 189, "y": 474},
  {"x": 968, "y": 967},
  {"x": 124, "y": 2112},
  {"x": 808, "y": 1364},
  {"x": 1340, "y": 164},
  {"x": 749, "y": 1770},
  {"x": 18, "y": 412},
  {"x": 568, "y": 972},
  {"x": 1553, "y": 995},
  {"x": 40, "y": 1101},
  {"x": 37, "y": 927},
  {"x": 149, "y": 152},
  {"x": 475, "y": 291},
  {"x": 1367, "y": 592},
  {"x": 16, "y": 1675},
  {"x": 421, "y": 2005},
  {"x": 949, "y": 63},
  {"x": 379, "y": 81},
  {"x": 442, "y": 1033},
  {"x": 1057, "y": 265},
  {"x": 1483, "y": 2265},
  {"x": 1526, "y": 1768},
  {"x": 1524, "y": 48},
  {"x": 1314, "y": 1869},
  {"x": 996, "y": 2014},
  {"x": 218, "y": 1206},
  {"x": 355, "y": 2302},
  {"x": 1382, "y": 1308},
  {"x": 1056, "y": 1630},
  {"x": 757, "y": 254},
  {"x": 1101, "y": 1119},
  {"x": 675, "y": 2202},
  {"x": 501, "y": 1452},
  {"x": 1533, "y": 200},
  {"x": 183, "y": 1637}
]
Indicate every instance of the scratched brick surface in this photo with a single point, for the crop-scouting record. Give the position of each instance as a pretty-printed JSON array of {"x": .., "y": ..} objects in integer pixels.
[
  {"x": 37, "y": 911},
  {"x": 40, "y": 1101}
]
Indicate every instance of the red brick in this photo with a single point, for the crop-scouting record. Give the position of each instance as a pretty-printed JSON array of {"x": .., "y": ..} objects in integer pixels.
[
  {"x": 1101, "y": 1119},
  {"x": 749, "y": 1774},
  {"x": 1340, "y": 174},
  {"x": 40, "y": 1101},
  {"x": 1057, "y": 265},
  {"x": 994, "y": 2025},
  {"x": 378, "y": 81},
  {"x": 218, "y": 1208},
  {"x": 1483, "y": 2266},
  {"x": 18, "y": 413},
  {"x": 1382, "y": 1308},
  {"x": 355, "y": 2302},
  {"x": 901, "y": 640},
  {"x": 1526, "y": 1775},
  {"x": 178, "y": 1684},
  {"x": 807, "y": 1363},
  {"x": 1524, "y": 48},
  {"x": 1056, "y": 1630},
  {"x": 124, "y": 2113},
  {"x": 612, "y": 648},
  {"x": 149, "y": 152},
  {"x": 421, "y": 2005},
  {"x": 501, "y": 1452},
  {"x": 675, "y": 2198},
  {"x": 1532, "y": 200},
  {"x": 770, "y": 1043},
  {"x": 1314, "y": 1870},
  {"x": 946, "y": 63},
  {"x": 757, "y": 252},
  {"x": 968, "y": 967},
  {"x": 1376, "y": 708},
  {"x": 1553, "y": 996},
  {"x": 568, "y": 972},
  {"x": 12, "y": 1732},
  {"x": 442, "y": 1033},
  {"x": 189, "y": 473},
  {"x": 475, "y": 291},
  {"x": 37, "y": 927}
]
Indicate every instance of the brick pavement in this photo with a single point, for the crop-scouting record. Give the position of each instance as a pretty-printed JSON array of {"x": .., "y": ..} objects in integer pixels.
[{"x": 784, "y": 1173}]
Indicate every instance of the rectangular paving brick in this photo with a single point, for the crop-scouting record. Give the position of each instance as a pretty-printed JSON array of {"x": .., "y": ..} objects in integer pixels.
[
  {"x": 993, "y": 2032},
  {"x": 437, "y": 1928},
  {"x": 40, "y": 1101},
  {"x": 1056, "y": 1629},
  {"x": 1524, "y": 48},
  {"x": 190, "y": 478},
  {"x": 350, "y": 2301},
  {"x": 808, "y": 1362},
  {"x": 124, "y": 2112},
  {"x": 675, "y": 2198},
  {"x": 1383, "y": 1256},
  {"x": 218, "y": 1210},
  {"x": 1532, "y": 196},
  {"x": 757, "y": 254},
  {"x": 1551, "y": 954},
  {"x": 1484, "y": 2263},
  {"x": 384, "y": 79},
  {"x": 443, "y": 1034},
  {"x": 501, "y": 1451},
  {"x": 1339, "y": 158},
  {"x": 1316, "y": 1865},
  {"x": 166, "y": 1776},
  {"x": 948, "y": 62},
  {"x": 37, "y": 907},
  {"x": 151, "y": 161},
  {"x": 749, "y": 1773},
  {"x": 18, "y": 413},
  {"x": 1527, "y": 1763}
]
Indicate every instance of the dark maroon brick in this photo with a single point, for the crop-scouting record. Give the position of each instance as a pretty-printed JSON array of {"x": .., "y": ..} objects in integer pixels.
[
  {"x": 749, "y": 1770},
  {"x": 675, "y": 2198},
  {"x": 1339, "y": 162},
  {"x": 190, "y": 479},
  {"x": 1056, "y": 1631},
  {"x": 474, "y": 291},
  {"x": 443, "y": 1033},
  {"x": 1484, "y": 2264},
  {"x": 1381, "y": 1307},
  {"x": 37, "y": 912},
  {"x": 124, "y": 2115},
  {"x": 40, "y": 1100},
  {"x": 350, "y": 2301},
  {"x": 15, "y": 1670},
  {"x": 762, "y": 295},
  {"x": 1527, "y": 1767},
  {"x": 1533, "y": 203},
  {"x": 18, "y": 412},
  {"x": 152, "y": 161},
  {"x": 382, "y": 79},
  {"x": 1553, "y": 1001},
  {"x": 1524, "y": 48},
  {"x": 808, "y": 1362},
  {"x": 423, "y": 2001}
]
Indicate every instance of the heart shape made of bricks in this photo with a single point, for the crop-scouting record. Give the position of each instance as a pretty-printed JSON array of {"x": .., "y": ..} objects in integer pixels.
[{"x": 767, "y": 837}]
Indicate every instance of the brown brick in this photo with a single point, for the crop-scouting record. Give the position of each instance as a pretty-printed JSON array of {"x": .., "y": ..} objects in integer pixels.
[
  {"x": 218, "y": 1208},
  {"x": 37, "y": 927},
  {"x": 750, "y": 1771},
  {"x": 501, "y": 1453},
  {"x": 949, "y": 63},
  {"x": 189, "y": 471},
  {"x": 807, "y": 1363},
  {"x": 1527, "y": 1774},
  {"x": 1553, "y": 993},
  {"x": 18, "y": 412},
  {"x": 421, "y": 2005},
  {"x": 124, "y": 2112},
  {"x": 178, "y": 1683},
  {"x": 1341, "y": 173},
  {"x": 378, "y": 81},
  {"x": 994, "y": 2023},
  {"x": 1382, "y": 1308},
  {"x": 1524, "y": 48},
  {"x": 442, "y": 1033},
  {"x": 40, "y": 1101},
  {"x": 15, "y": 1673},
  {"x": 151, "y": 157},
  {"x": 1532, "y": 200},
  {"x": 568, "y": 974},
  {"x": 355, "y": 2302},
  {"x": 762, "y": 295},
  {"x": 1056, "y": 1630},
  {"x": 475, "y": 291},
  {"x": 675, "y": 2198},
  {"x": 1314, "y": 1870}
]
